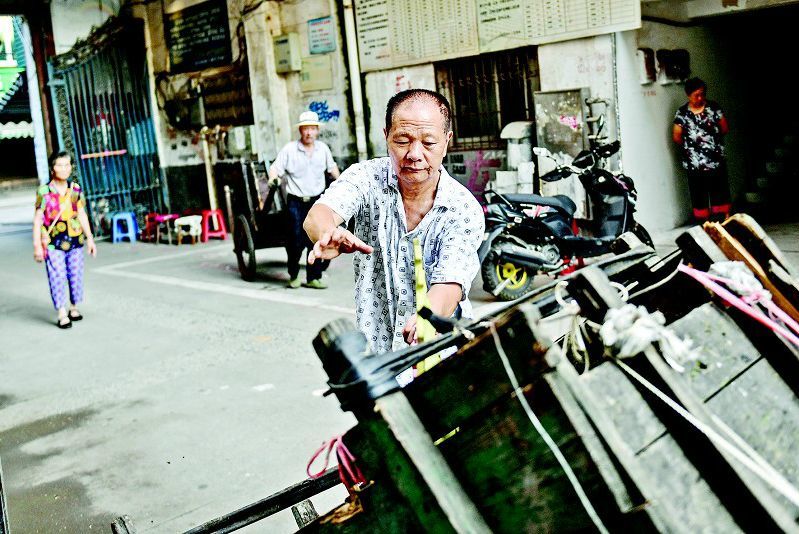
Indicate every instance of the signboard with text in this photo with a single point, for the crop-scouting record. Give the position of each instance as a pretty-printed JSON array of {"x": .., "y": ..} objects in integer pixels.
[
  {"x": 198, "y": 37},
  {"x": 321, "y": 35},
  {"x": 395, "y": 33}
]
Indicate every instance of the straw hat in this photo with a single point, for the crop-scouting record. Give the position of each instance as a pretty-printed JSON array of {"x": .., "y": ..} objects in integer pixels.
[{"x": 309, "y": 118}]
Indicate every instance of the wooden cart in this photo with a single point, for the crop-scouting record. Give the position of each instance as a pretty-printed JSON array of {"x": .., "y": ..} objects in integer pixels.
[
  {"x": 256, "y": 224},
  {"x": 513, "y": 434}
]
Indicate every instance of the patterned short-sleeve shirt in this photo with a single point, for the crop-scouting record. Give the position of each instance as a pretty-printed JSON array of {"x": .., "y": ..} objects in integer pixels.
[
  {"x": 702, "y": 145},
  {"x": 450, "y": 234},
  {"x": 60, "y": 215}
]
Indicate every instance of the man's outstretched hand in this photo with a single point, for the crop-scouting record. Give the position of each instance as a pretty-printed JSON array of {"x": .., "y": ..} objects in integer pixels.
[{"x": 335, "y": 242}]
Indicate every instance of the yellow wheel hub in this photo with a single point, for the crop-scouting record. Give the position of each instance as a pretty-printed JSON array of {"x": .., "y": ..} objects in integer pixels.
[{"x": 516, "y": 275}]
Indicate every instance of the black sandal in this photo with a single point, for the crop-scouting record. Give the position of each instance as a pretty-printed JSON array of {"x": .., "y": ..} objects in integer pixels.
[
  {"x": 64, "y": 326},
  {"x": 76, "y": 317}
]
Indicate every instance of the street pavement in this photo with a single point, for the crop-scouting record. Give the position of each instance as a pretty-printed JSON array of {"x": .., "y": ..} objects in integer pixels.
[{"x": 185, "y": 393}]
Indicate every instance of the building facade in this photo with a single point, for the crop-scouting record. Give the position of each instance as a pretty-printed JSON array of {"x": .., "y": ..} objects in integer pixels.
[{"x": 227, "y": 79}]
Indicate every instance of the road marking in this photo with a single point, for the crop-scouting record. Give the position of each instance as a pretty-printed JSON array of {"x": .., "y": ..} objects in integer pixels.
[
  {"x": 205, "y": 250},
  {"x": 211, "y": 287}
]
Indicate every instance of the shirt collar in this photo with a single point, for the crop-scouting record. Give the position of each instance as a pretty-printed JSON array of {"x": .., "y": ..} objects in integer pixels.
[{"x": 302, "y": 148}]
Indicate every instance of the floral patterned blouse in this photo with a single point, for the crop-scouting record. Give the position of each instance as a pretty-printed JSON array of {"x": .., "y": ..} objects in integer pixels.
[
  {"x": 703, "y": 148},
  {"x": 66, "y": 232}
]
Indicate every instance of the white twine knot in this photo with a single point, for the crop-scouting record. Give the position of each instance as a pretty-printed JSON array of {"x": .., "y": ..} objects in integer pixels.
[
  {"x": 739, "y": 279},
  {"x": 630, "y": 329}
]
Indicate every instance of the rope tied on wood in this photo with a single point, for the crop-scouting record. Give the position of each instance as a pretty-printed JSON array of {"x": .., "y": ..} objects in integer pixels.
[{"x": 630, "y": 329}]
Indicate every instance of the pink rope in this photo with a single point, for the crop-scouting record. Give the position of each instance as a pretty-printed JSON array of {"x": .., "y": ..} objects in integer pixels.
[
  {"x": 348, "y": 470},
  {"x": 739, "y": 303}
]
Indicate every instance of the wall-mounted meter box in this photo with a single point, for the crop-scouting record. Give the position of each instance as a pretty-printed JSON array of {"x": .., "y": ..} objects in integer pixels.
[{"x": 287, "y": 53}]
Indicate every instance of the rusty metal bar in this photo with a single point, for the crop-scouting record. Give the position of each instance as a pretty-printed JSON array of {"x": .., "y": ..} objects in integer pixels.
[{"x": 276, "y": 502}]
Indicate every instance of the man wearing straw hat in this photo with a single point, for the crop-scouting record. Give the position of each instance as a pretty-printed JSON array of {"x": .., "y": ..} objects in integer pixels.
[{"x": 301, "y": 165}]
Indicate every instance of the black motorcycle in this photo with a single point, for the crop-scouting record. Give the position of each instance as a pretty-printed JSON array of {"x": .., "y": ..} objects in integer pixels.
[{"x": 530, "y": 234}]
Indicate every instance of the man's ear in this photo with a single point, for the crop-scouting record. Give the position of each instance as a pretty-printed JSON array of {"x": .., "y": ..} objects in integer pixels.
[{"x": 385, "y": 133}]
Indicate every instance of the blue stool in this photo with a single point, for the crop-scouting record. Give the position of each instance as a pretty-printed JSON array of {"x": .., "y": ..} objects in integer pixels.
[{"x": 123, "y": 225}]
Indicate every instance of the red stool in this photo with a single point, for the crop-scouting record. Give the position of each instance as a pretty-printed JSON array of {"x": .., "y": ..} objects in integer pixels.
[{"x": 218, "y": 224}]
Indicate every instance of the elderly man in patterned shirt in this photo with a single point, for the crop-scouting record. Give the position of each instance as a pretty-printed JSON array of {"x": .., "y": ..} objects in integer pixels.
[{"x": 395, "y": 199}]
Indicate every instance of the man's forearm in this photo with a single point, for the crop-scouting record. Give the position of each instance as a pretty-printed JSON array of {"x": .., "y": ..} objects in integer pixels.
[
  {"x": 444, "y": 298},
  {"x": 83, "y": 219},
  {"x": 320, "y": 219}
]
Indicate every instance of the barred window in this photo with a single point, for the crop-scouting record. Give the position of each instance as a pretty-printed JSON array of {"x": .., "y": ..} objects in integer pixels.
[{"x": 487, "y": 92}]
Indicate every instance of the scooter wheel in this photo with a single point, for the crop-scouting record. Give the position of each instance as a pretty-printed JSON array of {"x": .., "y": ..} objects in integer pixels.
[{"x": 515, "y": 281}]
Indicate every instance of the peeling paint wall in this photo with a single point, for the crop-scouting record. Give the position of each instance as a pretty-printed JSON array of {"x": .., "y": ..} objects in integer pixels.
[
  {"x": 277, "y": 98},
  {"x": 332, "y": 104},
  {"x": 73, "y": 20}
]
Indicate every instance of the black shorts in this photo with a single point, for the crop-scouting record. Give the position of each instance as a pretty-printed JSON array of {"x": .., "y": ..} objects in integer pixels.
[{"x": 709, "y": 188}]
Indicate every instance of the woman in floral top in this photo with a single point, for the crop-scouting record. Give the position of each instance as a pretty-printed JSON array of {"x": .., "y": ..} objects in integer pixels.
[
  {"x": 60, "y": 229},
  {"x": 699, "y": 128}
]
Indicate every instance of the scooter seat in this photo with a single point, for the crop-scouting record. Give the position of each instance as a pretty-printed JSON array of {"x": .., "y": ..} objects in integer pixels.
[{"x": 559, "y": 202}]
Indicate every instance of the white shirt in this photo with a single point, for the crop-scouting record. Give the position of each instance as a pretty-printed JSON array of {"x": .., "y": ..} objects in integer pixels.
[
  {"x": 304, "y": 173},
  {"x": 450, "y": 234}
]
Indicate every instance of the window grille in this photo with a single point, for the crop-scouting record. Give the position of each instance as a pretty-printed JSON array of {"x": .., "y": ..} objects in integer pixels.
[{"x": 487, "y": 92}]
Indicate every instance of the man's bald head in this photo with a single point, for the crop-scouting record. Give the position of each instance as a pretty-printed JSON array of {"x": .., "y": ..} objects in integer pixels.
[{"x": 420, "y": 94}]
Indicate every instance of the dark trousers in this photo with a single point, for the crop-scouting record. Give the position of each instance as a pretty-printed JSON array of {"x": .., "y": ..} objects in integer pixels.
[
  {"x": 298, "y": 241},
  {"x": 710, "y": 193}
]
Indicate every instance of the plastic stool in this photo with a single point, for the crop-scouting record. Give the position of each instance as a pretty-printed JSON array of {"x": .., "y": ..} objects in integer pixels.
[
  {"x": 155, "y": 224},
  {"x": 123, "y": 225},
  {"x": 190, "y": 225},
  {"x": 218, "y": 223}
]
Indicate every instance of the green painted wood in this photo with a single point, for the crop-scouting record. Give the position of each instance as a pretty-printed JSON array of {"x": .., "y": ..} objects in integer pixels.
[
  {"x": 514, "y": 478},
  {"x": 466, "y": 383},
  {"x": 398, "y": 499}
]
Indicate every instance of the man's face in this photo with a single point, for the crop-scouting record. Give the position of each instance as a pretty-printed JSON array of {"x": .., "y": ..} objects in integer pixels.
[
  {"x": 417, "y": 141},
  {"x": 308, "y": 134},
  {"x": 697, "y": 98}
]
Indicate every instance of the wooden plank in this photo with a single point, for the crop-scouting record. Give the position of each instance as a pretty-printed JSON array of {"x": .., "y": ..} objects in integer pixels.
[
  {"x": 514, "y": 478},
  {"x": 754, "y": 239},
  {"x": 412, "y": 436},
  {"x": 741, "y": 388},
  {"x": 658, "y": 467},
  {"x": 473, "y": 379},
  {"x": 397, "y": 500},
  {"x": 735, "y": 251},
  {"x": 698, "y": 249},
  {"x": 751, "y": 235},
  {"x": 619, "y": 485}
]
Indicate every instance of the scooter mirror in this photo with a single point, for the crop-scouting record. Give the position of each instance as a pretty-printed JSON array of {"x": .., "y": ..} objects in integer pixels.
[{"x": 556, "y": 174}]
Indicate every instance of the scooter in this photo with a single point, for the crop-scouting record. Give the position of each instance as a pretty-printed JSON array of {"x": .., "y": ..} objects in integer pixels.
[{"x": 530, "y": 234}]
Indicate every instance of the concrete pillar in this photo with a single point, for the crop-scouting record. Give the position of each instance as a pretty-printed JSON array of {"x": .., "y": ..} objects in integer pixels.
[{"x": 273, "y": 125}]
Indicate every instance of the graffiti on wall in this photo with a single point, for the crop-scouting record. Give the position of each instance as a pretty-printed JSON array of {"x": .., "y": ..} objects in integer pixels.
[{"x": 322, "y": 109}]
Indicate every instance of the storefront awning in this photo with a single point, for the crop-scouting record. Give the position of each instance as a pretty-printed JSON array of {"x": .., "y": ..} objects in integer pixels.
[{"x": 16, "y": 130}]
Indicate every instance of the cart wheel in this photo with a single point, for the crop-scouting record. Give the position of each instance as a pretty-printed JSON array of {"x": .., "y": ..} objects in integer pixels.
[{"x": 245, "y": 248}]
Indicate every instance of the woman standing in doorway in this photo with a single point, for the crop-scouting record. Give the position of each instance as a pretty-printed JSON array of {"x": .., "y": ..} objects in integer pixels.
[
  {"x": 60, "y": 229},
  {"x": 699, "y": 129}
]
